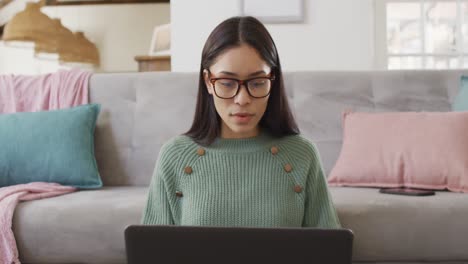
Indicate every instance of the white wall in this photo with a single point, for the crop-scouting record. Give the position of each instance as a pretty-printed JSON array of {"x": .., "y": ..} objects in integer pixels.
[{"x": 335, "y": 34}]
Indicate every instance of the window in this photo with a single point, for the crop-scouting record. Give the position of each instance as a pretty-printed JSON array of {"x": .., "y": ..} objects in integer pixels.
[{"x": 422, "y": 34}]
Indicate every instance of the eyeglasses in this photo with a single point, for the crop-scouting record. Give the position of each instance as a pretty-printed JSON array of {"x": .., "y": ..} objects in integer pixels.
[{"x": 227, "y": 88}]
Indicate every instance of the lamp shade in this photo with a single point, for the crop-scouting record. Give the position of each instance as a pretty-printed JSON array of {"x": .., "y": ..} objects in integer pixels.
[
  {"x": 82, "y": 50},
  {"x": 50, "y": 36},
  {"x": 30, "y": 25}
]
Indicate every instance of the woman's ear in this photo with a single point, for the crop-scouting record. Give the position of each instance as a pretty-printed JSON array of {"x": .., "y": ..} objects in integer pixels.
[{"x": 206, "y": 77}]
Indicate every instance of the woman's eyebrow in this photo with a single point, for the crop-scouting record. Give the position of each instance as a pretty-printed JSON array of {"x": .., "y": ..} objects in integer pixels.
[
  {"x": 229, "y": 73},
  {"x": 235, "y": 74},
  {"x": 257, "y": 73}
]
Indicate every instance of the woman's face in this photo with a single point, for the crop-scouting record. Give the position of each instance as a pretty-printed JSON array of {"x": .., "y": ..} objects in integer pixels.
[{"x": 241, "y": 114}]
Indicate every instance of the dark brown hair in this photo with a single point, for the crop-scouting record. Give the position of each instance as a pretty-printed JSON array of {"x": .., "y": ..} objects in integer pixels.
[{"x": 277, "y": 119}]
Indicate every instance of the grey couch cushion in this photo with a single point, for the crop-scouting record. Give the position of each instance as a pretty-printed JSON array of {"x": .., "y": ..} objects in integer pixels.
[
  {"x": 83, "y": 227},
  {"x": 88, "y": 225},
  {"x": 114, "y": 127},
  {"x": 402, "y": 228}
]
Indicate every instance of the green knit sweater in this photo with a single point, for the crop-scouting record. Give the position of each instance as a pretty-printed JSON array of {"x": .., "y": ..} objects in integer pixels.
[{"x": 256, "y": 182}]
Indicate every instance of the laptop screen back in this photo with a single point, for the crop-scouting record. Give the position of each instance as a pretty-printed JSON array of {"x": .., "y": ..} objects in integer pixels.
[{"x": 189, "y": 244}]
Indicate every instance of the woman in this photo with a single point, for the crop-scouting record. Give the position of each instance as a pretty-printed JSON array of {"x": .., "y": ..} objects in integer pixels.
[{"x": 242, "y": 163}]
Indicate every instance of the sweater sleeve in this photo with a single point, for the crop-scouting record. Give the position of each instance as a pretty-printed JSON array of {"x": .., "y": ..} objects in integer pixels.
[
  {"x": 319, "y": 209},
  {"x": 158, "y": 210}
]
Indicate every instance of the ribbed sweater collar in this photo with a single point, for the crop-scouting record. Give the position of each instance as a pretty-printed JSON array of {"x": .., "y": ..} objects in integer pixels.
[{"x": 259, "y": 142}]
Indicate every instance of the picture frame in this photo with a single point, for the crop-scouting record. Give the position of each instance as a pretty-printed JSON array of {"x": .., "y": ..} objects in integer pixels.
[{"x": 274, "y": 11}]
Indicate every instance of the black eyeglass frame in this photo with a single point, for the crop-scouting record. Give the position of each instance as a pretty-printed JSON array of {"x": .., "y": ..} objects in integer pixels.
[{"x": 241, "y": 82}]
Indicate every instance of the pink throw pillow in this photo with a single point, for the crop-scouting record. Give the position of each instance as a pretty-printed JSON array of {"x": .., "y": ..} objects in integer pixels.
[{"x": 427, "y": 150}]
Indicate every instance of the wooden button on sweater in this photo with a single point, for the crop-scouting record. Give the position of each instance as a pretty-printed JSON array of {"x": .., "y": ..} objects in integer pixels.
[
  {"x": 287, "y": 167},
  {"x": 201, "y": 152},
  {"x": 188, "y": 170},
  {"x": 297, "y": 189},
  {"x": 179, "y": 194},
  {"x": 274, "y": 150}
]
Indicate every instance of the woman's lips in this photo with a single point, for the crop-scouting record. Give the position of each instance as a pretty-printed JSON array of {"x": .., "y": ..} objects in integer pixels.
[{"x": 242, "y": 117}]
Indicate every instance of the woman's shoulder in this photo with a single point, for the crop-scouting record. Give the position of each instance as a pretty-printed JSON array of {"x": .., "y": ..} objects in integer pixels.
[
  {"x": 299, "y": 146},
  {"x": 177, "y": 144},
  {"x": 172, "y": 151}
]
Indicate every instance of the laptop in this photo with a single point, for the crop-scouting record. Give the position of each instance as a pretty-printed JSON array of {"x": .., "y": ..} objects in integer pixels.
[{"x": 163, "y": 244}]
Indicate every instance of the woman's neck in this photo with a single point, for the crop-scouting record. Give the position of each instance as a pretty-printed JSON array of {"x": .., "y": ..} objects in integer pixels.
[{"x": 227, "y": 133}]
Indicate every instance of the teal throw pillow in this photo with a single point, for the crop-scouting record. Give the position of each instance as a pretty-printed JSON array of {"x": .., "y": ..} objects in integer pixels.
[{"x": 50, "y": 146}]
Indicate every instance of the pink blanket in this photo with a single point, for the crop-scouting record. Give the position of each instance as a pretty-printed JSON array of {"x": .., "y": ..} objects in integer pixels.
[
  {"x": 24, "y": 93},
  {"x": 9, "y": 198}
]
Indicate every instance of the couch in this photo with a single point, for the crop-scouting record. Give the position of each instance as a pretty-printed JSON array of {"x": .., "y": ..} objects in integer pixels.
[{"x": 140, "y": 111}]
